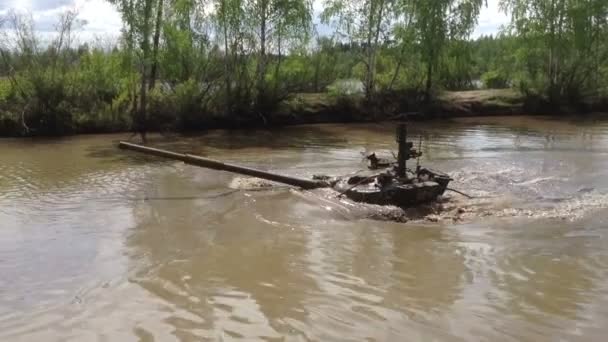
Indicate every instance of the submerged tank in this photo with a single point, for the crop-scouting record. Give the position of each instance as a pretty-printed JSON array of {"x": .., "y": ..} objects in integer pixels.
[
  {"x": 388, "y": 189},
  {"x": 385, "y": 183},
  {"x": 391, "y": 182}
]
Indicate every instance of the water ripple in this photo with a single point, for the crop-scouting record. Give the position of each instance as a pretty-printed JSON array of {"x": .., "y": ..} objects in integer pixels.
[{"x": 99, "y": 244}]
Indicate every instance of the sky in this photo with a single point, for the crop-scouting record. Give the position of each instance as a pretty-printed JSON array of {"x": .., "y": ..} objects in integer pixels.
[{"x": 100, "y": 18}]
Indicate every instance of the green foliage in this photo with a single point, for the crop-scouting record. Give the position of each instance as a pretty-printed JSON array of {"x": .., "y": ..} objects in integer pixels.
[
  {"x": 562, "y": 45},
  {"x": 602, "y": 76},
  {"x": 456, "y": 71},
  {"x": 180, "y": 107},
  {"x": 494, "y": 80},
  {"x": 437, "y": 23},
  {"x": 345, "y": 88},
  {"x": 5, "y": 90},
  {"x": 96, "y": 81},
  {"x": 181, "y": 64}
]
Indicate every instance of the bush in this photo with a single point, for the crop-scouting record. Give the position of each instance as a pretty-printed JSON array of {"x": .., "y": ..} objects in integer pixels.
[
  {"x": 176, "y": 107},
  {"x": 5, "y": 90},
  {"x": 494, "y": 80},
  {"x": 44, "y": 98},
  {"x": 346, "y": 88}
]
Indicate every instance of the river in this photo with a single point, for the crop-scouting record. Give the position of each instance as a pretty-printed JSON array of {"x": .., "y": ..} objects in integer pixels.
[{"x": 98, "y": 244}]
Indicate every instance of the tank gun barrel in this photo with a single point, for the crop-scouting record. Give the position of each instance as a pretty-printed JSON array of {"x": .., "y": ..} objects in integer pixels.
[{"x": 217, "y": 165}]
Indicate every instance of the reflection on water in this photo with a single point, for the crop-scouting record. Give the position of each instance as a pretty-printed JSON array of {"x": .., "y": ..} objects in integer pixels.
[{"x": 100, "y": 244}]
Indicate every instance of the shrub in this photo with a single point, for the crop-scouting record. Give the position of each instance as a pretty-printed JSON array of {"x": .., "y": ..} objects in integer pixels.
[
  {"x": 494, "y": 80},
  {"x": 346, "y": 88}
]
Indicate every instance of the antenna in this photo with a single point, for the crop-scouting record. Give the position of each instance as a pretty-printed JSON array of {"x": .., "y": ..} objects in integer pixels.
[
  {"x": 419, "y": 154},
  {"x": 404, "y": 149}
]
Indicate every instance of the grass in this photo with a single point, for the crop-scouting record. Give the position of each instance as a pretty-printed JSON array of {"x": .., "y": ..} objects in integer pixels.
[{"x": 5, "y": 88}]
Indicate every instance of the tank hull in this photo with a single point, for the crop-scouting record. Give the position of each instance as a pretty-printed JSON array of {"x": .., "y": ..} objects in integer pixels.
[{"x": 425, "y": 188}]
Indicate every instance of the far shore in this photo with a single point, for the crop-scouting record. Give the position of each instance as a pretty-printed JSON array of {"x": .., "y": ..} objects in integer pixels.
[{"x": 316, "y": 108}]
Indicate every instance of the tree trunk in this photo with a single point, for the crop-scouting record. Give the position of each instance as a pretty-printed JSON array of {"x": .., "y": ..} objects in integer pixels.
[
  {"x": 157, "y": 29},
  {"x": 369, "y": 74},
  {"x": 262, "y": 57},
  {"x": 398, "y": 68},
  {"x": 429, "y": 81},
  {"x": 133, "y": 83},
  {"x": 142, "y": 120},
  {"x": 317, "y": 71},
  {"x": 395, "y": 74},
  {"x": 552, "y": 75},
  {"x": 277, "y": 70},
  {"x": 145, "y": 47},
  {"x": 227, "y": 69},
  {"x": 376, "y": 41}
]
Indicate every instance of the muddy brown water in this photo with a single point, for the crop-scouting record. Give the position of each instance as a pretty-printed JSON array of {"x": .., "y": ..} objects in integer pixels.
[{"x": 98, "y": 244}]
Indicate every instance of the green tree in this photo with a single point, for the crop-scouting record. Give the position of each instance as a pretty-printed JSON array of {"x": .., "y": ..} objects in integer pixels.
[
  {"x": 363, "y": 23},
  {"x": 142, "y": 42},
  {"x": 438, "y": 22},
  {"x": 562, "y": 44},
  {"x": 276, "y": 23}
]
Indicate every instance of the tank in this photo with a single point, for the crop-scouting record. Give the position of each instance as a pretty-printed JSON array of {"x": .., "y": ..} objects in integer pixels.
[
  {"x": 385, "y": 183},
  {"x": 387, "y": 189}
]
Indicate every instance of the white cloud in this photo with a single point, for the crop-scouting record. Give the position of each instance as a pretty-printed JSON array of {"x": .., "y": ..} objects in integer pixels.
[
  {"x": 491, "y": 19},
  {"x": 43, "y": 5},
  {"x": 100, "y": 15},
  {"x": 99, "y": 18},
  {"x": 102, "y": 18}
]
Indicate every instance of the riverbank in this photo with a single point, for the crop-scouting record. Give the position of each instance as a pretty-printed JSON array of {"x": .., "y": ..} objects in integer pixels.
[
  {"x": 311, "y": 108},
  {"x": 322, "y": 108}
]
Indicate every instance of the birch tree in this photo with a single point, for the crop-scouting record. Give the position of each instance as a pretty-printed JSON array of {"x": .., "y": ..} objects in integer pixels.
[
  {"x": 139, "y": 18},
  {"x": 568, "y": 37},
  {"x": 364, "y": 23},
  {"x": 436, "y": 23}
]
